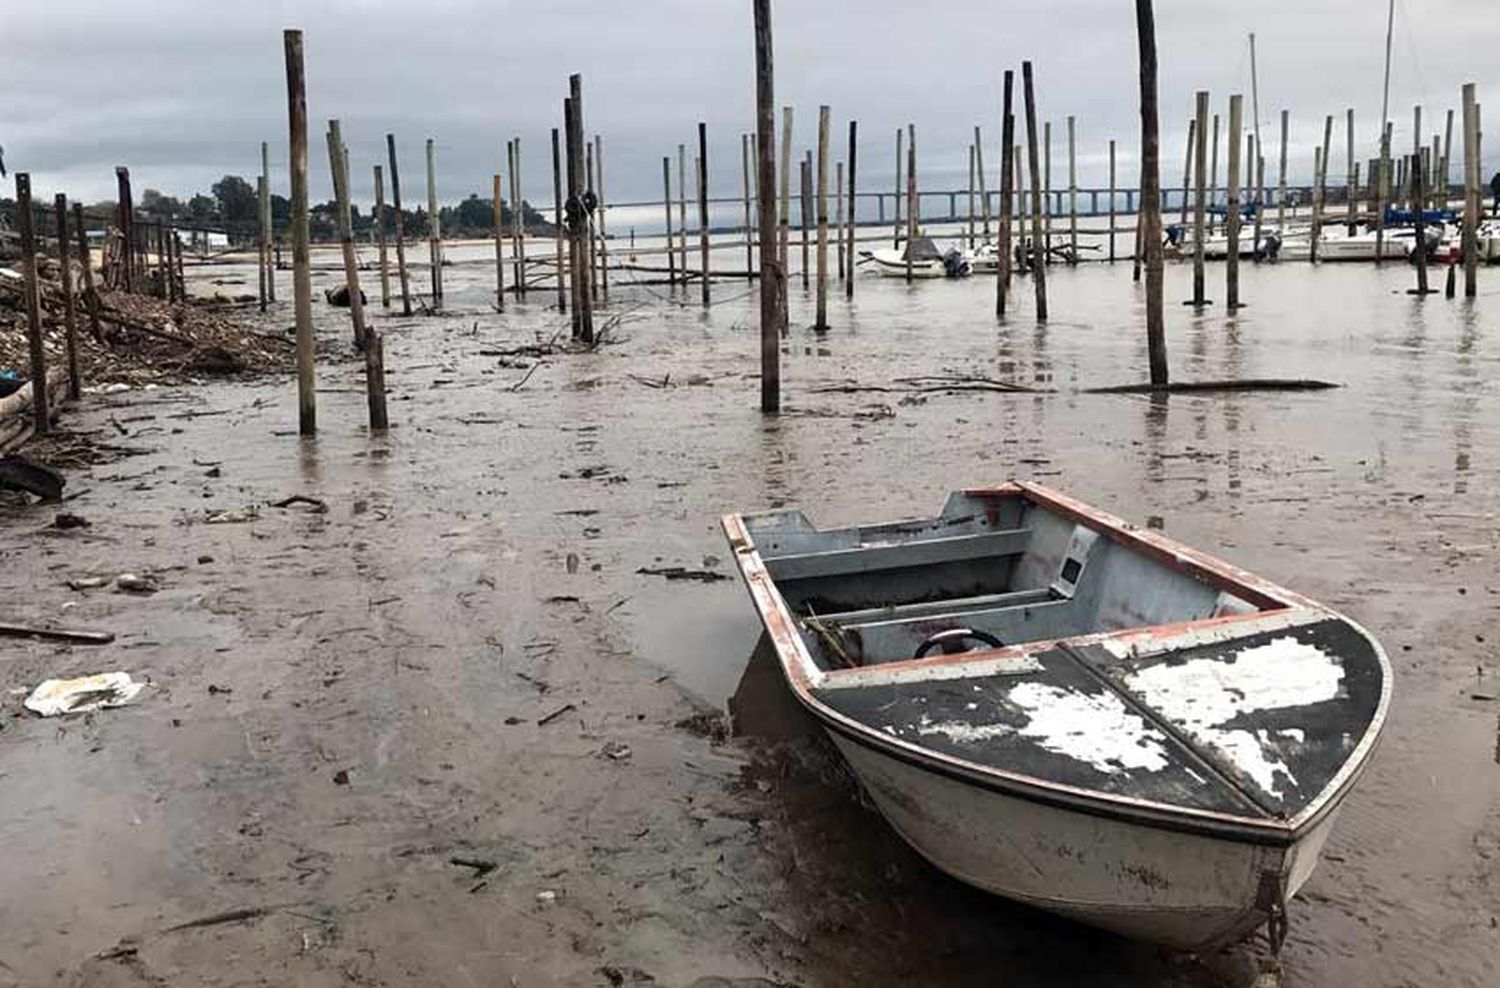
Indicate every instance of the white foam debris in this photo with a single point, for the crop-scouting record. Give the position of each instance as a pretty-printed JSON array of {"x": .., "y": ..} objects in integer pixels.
[
  {"x": 1096, "y": 728},
  {"x": 1202, "y": 695}
]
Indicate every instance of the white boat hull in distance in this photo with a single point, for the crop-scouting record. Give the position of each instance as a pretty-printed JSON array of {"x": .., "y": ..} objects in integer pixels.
[
  {"x": 892, "y": 264},
  {"x": 1361, "y": 247},
  {"x": 1184, "y": 891}
]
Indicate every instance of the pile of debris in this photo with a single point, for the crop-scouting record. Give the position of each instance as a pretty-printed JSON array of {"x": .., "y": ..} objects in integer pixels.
[{"x": 141, "y": 339}]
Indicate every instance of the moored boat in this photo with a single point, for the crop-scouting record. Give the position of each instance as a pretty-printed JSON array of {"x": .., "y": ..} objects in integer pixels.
[
  {"x": 1052, "y": 705},
  {"x": 927, "y": 260}
]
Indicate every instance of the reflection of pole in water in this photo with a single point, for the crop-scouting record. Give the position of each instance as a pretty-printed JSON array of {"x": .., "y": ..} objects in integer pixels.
[{"x": 1156, "y": 435}]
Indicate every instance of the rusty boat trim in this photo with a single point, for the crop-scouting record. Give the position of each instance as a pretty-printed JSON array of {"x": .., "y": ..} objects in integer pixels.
[{"x": 1280, "y": 607}]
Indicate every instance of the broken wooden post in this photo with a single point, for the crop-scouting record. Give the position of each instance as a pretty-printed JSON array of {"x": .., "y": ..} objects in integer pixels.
[
  {"x": 1232, "y": 207},
  {"x": 497, "y": 209},
  {"x": 434, "y": 228},
  {"x": 1200, "y": 193},
  {"x": 85, "y": 260},
  {"x": 703, "y": 205},
  {"x": 1007, "y": 187},
  {"x": 1260, "y": 187},
  {"x": 1149, "y": 225},
  {"x": 821, "y": 320},
  {"x": 70, "y": 311},
  {"x": 1038, "y": 263},
  {"x": 578, "y": 214},
  {"x": 375, "y": 382},
  {"x": 380, "y": 245},
  {"x": 32, "y": 289},
  {"x": 666, "y": 192},
  {"x": 1072, "y": 197},
  {"x": 125, "y": 220},
  {"x": 390, "y": 147},
  {"x": 557, "y": 224},
  {"x": 346, "y": 232},
  {"x": 307, "y": 418},
  {"x": 853, "y": 222},
  {"x": 772, "y": 265}
]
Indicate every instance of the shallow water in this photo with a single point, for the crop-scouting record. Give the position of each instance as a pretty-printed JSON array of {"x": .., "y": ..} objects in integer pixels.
[{"x": 1376, "y": 498}]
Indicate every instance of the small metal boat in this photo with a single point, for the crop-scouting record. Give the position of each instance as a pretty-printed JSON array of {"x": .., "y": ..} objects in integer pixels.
[
  {"x": 1060, "y": 708},
  {"x": 927, "y": 260}
]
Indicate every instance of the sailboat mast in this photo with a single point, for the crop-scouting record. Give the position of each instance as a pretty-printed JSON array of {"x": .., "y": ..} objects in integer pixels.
[
  {"x": 1255, "y": 97},
  {"x": 1385, "y": 98}
]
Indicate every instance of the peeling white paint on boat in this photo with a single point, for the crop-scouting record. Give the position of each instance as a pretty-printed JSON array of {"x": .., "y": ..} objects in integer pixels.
[
  {"x": 1202, "y": 695},
  {"x": 1097, "y": 729},
  {"x": 961, "y": 733}
]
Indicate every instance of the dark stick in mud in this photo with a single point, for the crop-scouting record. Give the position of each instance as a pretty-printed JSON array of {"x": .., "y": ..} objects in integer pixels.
[
  {"x": 390, "y": 147},
  {"x": 307, "y": 414},
  {"x": 1148, "y": 225},
  {"x": 380, "y": 244},
  {"x": 703, "y": 204},
  {"x": 70, "y": 312},
  {"x": 853, "y": 219},
  {"x": 772, "y": 268},
  {"x": 1038, "y": 262}
]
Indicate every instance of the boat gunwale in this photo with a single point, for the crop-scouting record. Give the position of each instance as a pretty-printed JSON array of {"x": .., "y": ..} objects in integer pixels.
[{"x": 804, "y": 675}]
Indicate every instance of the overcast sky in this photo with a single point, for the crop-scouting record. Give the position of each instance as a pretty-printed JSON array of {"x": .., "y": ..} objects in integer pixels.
[{"x": 183, "y": 91}]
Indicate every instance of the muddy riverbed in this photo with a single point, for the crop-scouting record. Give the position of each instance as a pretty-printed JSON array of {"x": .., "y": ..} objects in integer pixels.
[{"x": 444, "y": 732}]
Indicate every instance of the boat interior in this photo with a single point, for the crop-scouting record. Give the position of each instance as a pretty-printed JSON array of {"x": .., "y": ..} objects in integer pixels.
[{"x": 994, "y": 569}]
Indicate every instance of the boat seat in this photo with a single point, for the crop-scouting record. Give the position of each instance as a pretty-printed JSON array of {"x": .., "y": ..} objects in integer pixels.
[
  {"x": 900, "y": 555},
  {"x": 949, "y": 605},
  {"x": 896, "y": 640}
]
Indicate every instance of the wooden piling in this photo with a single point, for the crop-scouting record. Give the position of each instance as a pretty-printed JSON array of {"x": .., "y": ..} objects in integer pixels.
[
  {"x": 838, "y": 217},
  {"x": 575, "y": 155},
  {"x": 1007, "y": 188},
  {"x": 666, "y": 193},
  {"x": 380, "y": 239},
  {"x": 1320, "y": 198},
  {"x": 1379, "y": 180},
  {"x": 1447, "y": 159},
  {"x": 1351, "y": 171},
  {"x": 1472, "y": 200},
  {"x": 497, "y": 221},
  {"x": 1047, "y": 191},
  {"x": 821, "y": 320},
  {"x": 1149, "y": 223},
  {"x": 1111, "y": 201},
  {"x": 32, "y": 288},
  {"x": 682, "y": 224},
  {"x": 263, "y": 253},
  {"x": 591, "y": 252},
  {"x": 984, "y": 196},
  {"x": 1281, "y": 180},
  {"x": 125, "y": 220},
  {"x": 518, "y": 218},
  {"x": 434, "y": 228},
  {"x": 772, "y": 265},
  {"x": 853, "y": 223},
  {"x": 1213, "y": 172},
  {"x": 307, "y": 416},
  {"x": 896, "y": 220},
  {"x": 268, "y": 221},
  {"x": 375, "y": 382},
  {"x": 1200, "y": 192},
  {"x": 557, "y": 226},
  {"x": 1260, "y": 201},
  {"x": 70, "y": 311},
  {"x": 1039, "y": 269},
  {"x": 784, "y": 235},
  {"x": 911, "y": 199},
  {"x": 573, "y": 210},
  {"x": 1420, "y": 247},
  {"x": 1072, "y": 196},
  {"x": 1187, "y": 170},
  {"x": 401, "y": 274},
  {"x": 971, "y": 198},
  {"x": 703, "y": 208},
  {"x": 599, "y": 220},
  {"x": 346, "y": 231},
  {"x": 85, "y": 260},
  {"x": 745, "y": 169},
  {"x": 805, "y": 212},
  {"x": 1232, "y": 207}
]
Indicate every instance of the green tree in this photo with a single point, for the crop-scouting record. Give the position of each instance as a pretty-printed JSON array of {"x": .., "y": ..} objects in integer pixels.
[{"x": 237, "y": 199}]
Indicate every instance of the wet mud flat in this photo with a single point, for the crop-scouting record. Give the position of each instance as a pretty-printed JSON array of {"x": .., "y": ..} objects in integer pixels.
[{"x": 436, "y": 726}]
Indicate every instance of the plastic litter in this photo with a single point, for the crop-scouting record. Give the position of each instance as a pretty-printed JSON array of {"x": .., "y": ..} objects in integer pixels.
[{"x": 74, "y": 696}]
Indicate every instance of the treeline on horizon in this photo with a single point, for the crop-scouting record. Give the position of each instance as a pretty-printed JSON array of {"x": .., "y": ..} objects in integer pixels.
[{"x": 233, "y": 206}]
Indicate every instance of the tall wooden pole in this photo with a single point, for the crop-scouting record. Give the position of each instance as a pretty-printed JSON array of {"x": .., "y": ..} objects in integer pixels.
[
  {"x": 1047, "y": 192},
  {"x": 599, "y": 218},
  {"x": 1232, "y": 207},
  {"x": 125, "y": 214},
  {"x": 1150, "y": 219},
  {"x": 772, "y": 263},
  {"x": 1213, "y": 172},
  {"x": 821, "y": 321},
  {"x": 380, "y": 226},
  {"x": 1111, "y": 201},
  {"x": 591, "y": 256},
  {"x": 745, "y": 169},
  {"x": 268, "y": 219},
  {"x": 911, "y": 198},
  {"x": 1472, "y": 200},
  {"x": 1200, "y": 192},
  {"x": 1072, "y": 196},
  {"x": 971, "y": 198},
  {"x": 1350, "y": 170},
  {"x": 1320, "y": 196},
  {"x": 574, "y": 210},
  {"x": 558, "y": 228},
  {"x": 805, "y": 215},
  {"x": 575, "y": 155},
  {"x": 39, "y": 414},
  {"x": 346, "y": 232},
  {"x": 1447, "y": 160},
  {"x": 666, "y": 193},
  {"x": 497, "y": 220},
  {"x": 434, "y": 228},
  {"x": 1039, "y": 269},
  {"x": 896, "y": 228},
  {"x": 1007, "y": 188},
  {"x": 682, "y": 223},
  {"x": 703, "y": 207},
  {"x": 838, "y": 217},
  {"x": 518, "y": 217},
  {"x": 984, "y": 196},
  {"x": 1420, "y": 247},
  {"x": 1281, "y": 180},
  {"x": 70, "y": 311},
  {"x": 307, "y": 415},
  {"x": 263, "y": 246},
  {"x": 263, "y": 214},
  {"x": 786, "y": 204},
  {"x": 85, "y": 261},
  {"x": 853, "y": 222},
  {"x": 401, "y": 274},
  {"x": 1187, "y": 170}
]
